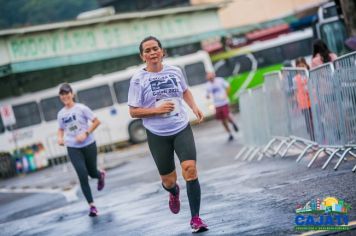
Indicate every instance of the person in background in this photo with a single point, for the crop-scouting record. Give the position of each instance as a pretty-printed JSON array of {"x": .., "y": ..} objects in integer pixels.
[
  {"x": 300, "y": 62},
  {"x": 321, "y": 54},
  {"x": 156, "y": 95},
  {"x": 351, "y": 43},
  {"x": 76, "y": 134},
  {"x": 302, "y": 95},
  {"x": 218, "y": 88}
]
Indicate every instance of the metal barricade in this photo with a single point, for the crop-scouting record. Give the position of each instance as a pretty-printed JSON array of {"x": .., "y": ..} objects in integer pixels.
[
  {"x": 298, "y": 102},
  {"x": 276, "y": 104},
  {"x": 278, "y": 120},
  {"x": 345, "y": 76},
  {"x": 333, "y": 94},
  {"x": 316, "y": 109},
  {"x": 326, "y": 100},
  {"x": 254, "y": 121},
  {"x": 246, "y": 126},
  {"x": 345, "y": 61},
  {"x": 290, "y": 114}
]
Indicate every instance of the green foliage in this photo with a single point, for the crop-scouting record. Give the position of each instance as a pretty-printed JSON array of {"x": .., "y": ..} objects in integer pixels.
[{"x": 18, "y": 13}]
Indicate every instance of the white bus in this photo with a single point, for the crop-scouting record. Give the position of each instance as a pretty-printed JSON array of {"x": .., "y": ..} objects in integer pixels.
[
  {"x": 245, "y": 66},
  {"x": 331, "y": 28},
  {"x": 36, "y": 112}
]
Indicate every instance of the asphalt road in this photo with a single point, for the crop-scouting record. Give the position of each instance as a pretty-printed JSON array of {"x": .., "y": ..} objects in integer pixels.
[{"x": 238, "y": 197}]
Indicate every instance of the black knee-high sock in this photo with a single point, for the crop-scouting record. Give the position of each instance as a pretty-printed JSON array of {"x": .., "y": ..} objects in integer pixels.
[
  {"x": 173, "y": 190},
  {"x": 193, "y": 192}
]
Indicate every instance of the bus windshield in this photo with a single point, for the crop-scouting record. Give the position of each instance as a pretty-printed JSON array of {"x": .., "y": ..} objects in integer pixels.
[{"x": 334, "y": 35}]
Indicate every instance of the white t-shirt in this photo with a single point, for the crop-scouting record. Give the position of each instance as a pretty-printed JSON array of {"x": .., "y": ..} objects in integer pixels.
[
  {"x": 217, "y": 89},
  {"x": 74, "y": 121},
  {"x": 150, "y": 89}
]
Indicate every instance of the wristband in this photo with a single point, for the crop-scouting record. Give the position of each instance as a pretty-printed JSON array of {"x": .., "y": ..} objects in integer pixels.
[{"x": 87, "y": 133}]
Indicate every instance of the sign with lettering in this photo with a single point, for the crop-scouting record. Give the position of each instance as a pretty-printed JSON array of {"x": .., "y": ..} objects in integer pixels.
[
  {"x": 112, "y": 34},
  {"x": 7, "y": 115}
]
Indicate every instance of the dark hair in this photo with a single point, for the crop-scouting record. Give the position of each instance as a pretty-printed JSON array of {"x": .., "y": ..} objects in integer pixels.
[
  {"x": 65, "y": 88},
  {"x": 301, "y": 60},
  {"x": 320, "y": 47},
  {"x": 148, "y": 39}
]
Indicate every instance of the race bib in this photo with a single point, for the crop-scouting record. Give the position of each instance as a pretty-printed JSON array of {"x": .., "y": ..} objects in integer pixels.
[
  {"x": 176, "y": 106},
  {"x": 74, "y": 127}
]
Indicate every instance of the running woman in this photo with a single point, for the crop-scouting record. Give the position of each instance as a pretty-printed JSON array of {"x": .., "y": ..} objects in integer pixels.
[
  {"x": 218, "y": 88},
  {"x": 156, "y": 95},
  {"x": 76, "y": 134}
]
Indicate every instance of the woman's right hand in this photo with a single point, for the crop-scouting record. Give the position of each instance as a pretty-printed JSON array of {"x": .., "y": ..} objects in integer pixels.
[{"x": 165, "y": 107}]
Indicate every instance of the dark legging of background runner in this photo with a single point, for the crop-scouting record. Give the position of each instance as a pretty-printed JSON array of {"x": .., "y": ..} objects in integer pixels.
[{"x": 84, "y": 162}]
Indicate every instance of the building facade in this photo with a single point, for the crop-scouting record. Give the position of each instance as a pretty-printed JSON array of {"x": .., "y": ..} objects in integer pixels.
[
  {"x": 237, "y": 13},
  {"x": 39, "y": 57}
]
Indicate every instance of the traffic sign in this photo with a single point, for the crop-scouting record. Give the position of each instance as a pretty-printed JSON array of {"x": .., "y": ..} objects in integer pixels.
[{"x": 7, "y": 115}]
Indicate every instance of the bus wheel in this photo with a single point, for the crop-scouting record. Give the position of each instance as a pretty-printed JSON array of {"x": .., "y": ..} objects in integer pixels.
[{"x": 137, "y": 132}]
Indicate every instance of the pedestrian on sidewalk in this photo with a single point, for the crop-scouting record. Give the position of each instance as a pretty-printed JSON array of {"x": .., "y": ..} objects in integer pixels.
[
  {"x": 156, "y": 95},
  {"x": 218, "y": 88},
  {"x": 76, "y": 134},
  {"x": 321, "y": 54}
]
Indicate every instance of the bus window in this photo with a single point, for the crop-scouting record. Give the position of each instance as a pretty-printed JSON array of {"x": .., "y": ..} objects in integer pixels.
[
  {"x": 195, "y": 73},
  {"x": 2, "y": 128},
  {"x": 26, "y": 114},
  {"x": 297, "y": 49},
  {"x": 224, "y": 68},
  {"x": 183, "y": 72},
  {"x": 334, "y": 34},
  {"x": 96, "y": 97},
  {"x": 50, "y": 107},
  {"x": 121, "y": 90},
  {"x": 329, "y": 10},
  {"x": 269, "y": 56},
  {"x": 233, "y": 66}
]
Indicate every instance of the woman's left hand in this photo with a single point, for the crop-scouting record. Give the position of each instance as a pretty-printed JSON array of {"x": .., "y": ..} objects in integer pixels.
[
  {"x": 198, "y": 114},
  {"x": 81, "y": 137}
]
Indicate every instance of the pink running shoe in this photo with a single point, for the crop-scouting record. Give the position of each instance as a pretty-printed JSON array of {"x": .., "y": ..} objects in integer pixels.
[
  {"x": 93, "y": 211},
  {"x": 101, "y": 181},
  {"x": 174, "y": 202},
  {"x": 198, "y": 225}
]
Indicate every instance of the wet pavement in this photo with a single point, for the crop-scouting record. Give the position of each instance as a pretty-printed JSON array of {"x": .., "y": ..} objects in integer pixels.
[{"x": 238, "y": 197}]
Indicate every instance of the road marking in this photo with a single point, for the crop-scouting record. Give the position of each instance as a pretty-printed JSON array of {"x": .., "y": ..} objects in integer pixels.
[
  {"x": 70, "y": 194},
  {"x": 352, "y": 223}
]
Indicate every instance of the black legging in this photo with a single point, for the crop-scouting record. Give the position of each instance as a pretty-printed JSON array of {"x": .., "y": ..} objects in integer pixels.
[
  {"x": 84, "y": 162},
  {"x": 163, "y": 147}
]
